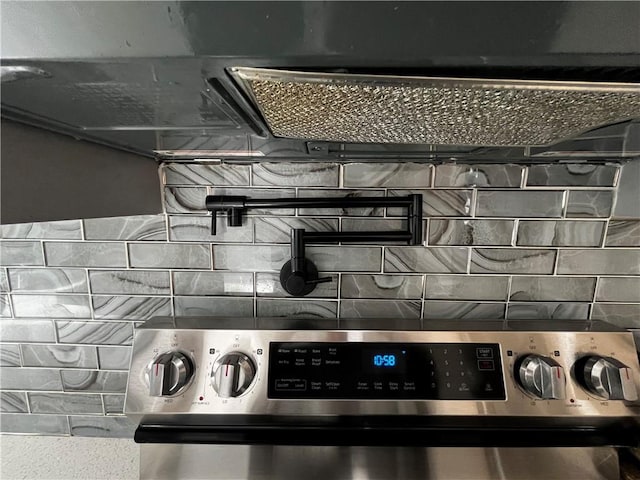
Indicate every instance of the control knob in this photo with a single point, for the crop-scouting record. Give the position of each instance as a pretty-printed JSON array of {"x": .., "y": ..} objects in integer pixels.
[
  {"x": 169, "y": 373},
  {"x": 541, "y": 376},
  {"x": 607, "y": 378},
  {"x": 232, "y": 374}
]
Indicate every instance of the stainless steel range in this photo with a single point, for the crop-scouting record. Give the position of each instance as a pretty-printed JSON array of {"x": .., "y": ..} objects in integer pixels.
[{"x": 316, "y": 385}]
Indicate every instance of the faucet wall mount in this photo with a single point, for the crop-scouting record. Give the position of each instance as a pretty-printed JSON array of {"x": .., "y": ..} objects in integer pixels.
[{"x": 299, "y": 276}]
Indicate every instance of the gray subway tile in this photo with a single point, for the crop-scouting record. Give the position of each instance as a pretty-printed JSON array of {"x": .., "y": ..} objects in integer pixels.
[
  {"x": 205, "y": 174},
  {"x": 114, "y": 358},
  {"x": 373, "y": 224},
  {"x": 250, "y": 257},
  {"x": 435, "y": 310},
  {"x": 590, "y": 203},
  {"x": 478, "y": 176},
  {"x": 599, "y": 262},
  {"x": 59, "y": 356},
  {"x": 341, "y": 193},
  {"x": 387, "y": 175},
  {"x": 620, "y": 314},
  {"x": 4, "y": 280},
  {"x": 627, "y": 202},
  {"x": 169, "y": 256},
  {"x": 470, "y": 232},
  {"x": 460, "y": 287},
  {"x": 566, "y": 289},
  {"x": 113, "y": 404},
  {"x": 278, "y": 230},
  {"x": 93, "y": 332},
  {"x": 94, "y": 381},
  {"x": 562, "y": 233},
  {"x": 382, "y": 286},
  {"x": 581, "y": 175},
  {"x": 51, "y": 306},
  {"x": 261, "y": 193},
  {"x": 130, "y": 308},
  {"x": 345, "y": 259},
  {"x": 54, "y": 280},
  {"x": 21, "y": 253},
  {"x": 135, "y": 282},
  {"x": 66, "y": 229},
  {"x": 85, "y": 254},
  {"x": 296, "y": 308},
  {"x": 9, "y": 355},
  {"x": 512, "y": 260},
  {"x": 30, "y": 330},
  {"x": 548, "y": 311},
  {"x": 268, "y": 285},
  {"x": 29, "y": 379},
  {"x": 95, "y": 426},
  {"x": 296, "y": 174},
  {"x": 612, "y": 289},
  {"x": 213, "y": 283},
  {"x": 623, "y": 233},
  {"x": 501, "y": 203},
  {"x": 213, "y": 306},
  {"x": 185, "y": 199},
  {"x": 65, "y": 403},
  {"x": 426, "y": 260},
  {"x": 141, "y": 228},
  {"x": 451, "y": 203},
  {"x": 5, "y": 305},
  {"x": 391, "y": 309},
  {"x": 34, "y": 424},
  {"x": 13, "y": 402},
  {"x": 198, "y": 229}
]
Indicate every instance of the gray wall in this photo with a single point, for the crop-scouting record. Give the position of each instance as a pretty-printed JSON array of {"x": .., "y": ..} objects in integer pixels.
[
  {"x": 48, "y": 176},
  {"x": 502, "y": 241}
]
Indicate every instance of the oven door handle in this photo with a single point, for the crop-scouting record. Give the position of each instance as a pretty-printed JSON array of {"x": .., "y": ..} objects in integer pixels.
[{"x": 393, "y": 431}]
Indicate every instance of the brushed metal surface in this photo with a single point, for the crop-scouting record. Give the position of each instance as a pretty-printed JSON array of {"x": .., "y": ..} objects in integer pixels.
[
  {"x": 207, "y": 346},
  {"x": 342, "y": 107},
  {"x": 171, "y": 462}
]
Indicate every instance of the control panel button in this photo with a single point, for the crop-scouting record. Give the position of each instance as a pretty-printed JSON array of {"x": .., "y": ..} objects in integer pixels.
[
  {"x": 541, "y": 377},
  {"x": 232, "y": 374},
  {"x": 169, "y": 373},
  {"x": 607, "y": 378}
]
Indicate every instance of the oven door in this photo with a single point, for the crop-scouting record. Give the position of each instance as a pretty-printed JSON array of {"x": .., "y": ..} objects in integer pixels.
[{"x": 231, "y": 462}]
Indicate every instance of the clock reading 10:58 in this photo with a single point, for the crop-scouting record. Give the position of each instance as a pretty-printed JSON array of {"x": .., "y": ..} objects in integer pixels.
[
  {"x": 384, "y": 361},
  {"x": 381, "y": 360}
]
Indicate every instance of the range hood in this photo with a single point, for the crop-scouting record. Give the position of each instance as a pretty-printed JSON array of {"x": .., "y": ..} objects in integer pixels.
[{"x": 418, "y": 80}]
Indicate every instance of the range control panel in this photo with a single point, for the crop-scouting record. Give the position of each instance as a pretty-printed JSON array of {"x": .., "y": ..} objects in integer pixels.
[
  {"x": 385, "y": 371},
  {"x": 195, "y": 369}
]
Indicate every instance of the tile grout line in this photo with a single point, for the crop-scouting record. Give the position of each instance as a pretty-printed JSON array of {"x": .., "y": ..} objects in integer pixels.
[
  {"x": 524, "y": 177},
  {"x": 555, "y": 262}
]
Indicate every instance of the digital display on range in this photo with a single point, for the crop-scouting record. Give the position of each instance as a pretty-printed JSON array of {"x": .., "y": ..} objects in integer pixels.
[
  {"x": 429, "y": 371},
  {"x": 375, "y": 361}
]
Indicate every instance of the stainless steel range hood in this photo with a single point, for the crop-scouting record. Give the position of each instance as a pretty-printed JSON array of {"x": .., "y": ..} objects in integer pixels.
[{"x": 409, "y": 80}]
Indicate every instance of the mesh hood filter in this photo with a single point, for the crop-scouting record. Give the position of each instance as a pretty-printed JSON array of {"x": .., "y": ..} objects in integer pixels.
[{"x": 425, "y": 110}]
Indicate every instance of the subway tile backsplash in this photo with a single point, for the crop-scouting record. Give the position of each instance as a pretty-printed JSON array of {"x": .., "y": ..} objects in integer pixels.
[{"x": 500, "y": 241}]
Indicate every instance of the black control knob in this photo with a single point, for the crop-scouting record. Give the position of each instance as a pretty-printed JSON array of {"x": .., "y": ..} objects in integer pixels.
[
  {"x": 606, "y": 377},
  {"x": 541, "y": 376}
]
